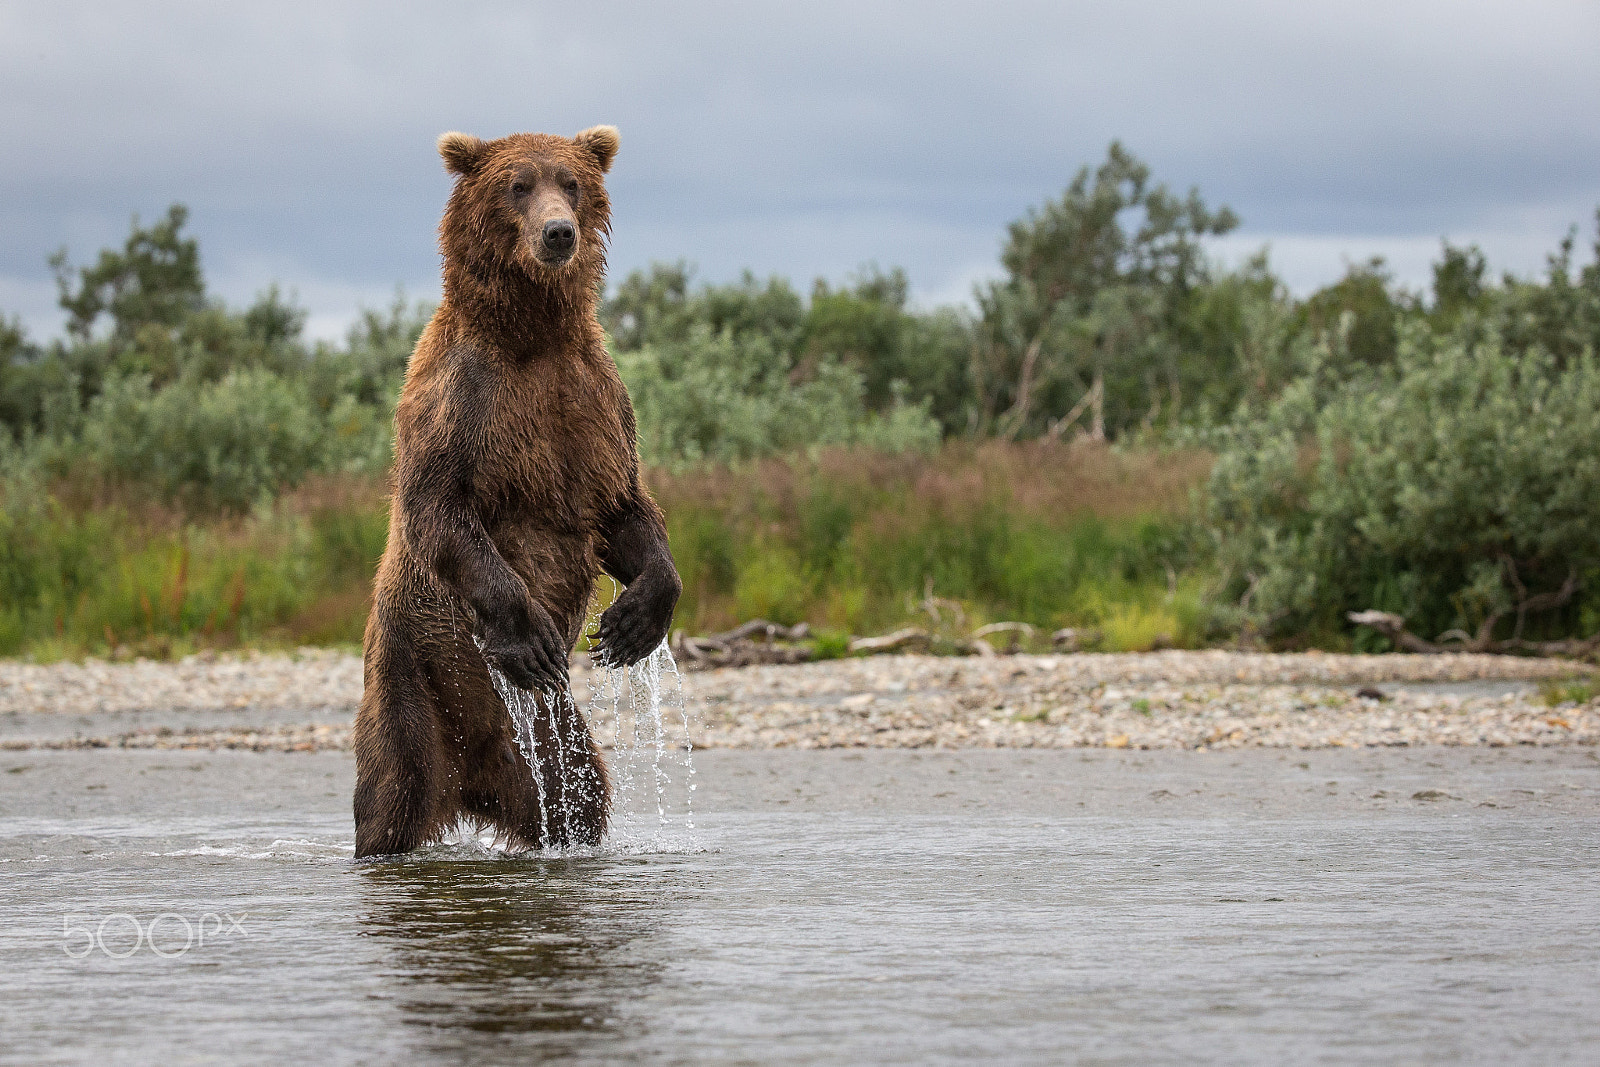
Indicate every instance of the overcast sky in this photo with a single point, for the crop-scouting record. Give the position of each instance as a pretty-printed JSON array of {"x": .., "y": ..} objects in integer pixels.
[{"x": 804, "y": 140}]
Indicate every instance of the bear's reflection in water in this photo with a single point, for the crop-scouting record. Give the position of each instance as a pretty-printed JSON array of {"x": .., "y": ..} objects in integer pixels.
[{"x": 534, "y": 947}]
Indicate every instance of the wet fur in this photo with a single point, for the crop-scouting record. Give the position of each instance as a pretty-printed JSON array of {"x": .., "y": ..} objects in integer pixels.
[{"x": 516, "y": 482}]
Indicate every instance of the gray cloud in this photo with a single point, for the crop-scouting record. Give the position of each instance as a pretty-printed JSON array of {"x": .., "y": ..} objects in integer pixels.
[{"x": 802, "y": 141}]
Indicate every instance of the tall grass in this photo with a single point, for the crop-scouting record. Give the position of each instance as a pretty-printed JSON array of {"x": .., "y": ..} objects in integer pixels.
[
  {"x": 128, "y": 579},
  {"x": 1041, "y": 533},
  {"x": 850, "y": 541}
]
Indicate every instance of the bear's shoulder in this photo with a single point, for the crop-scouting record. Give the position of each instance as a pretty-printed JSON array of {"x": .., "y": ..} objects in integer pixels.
[{"x": 446, "y": 384}]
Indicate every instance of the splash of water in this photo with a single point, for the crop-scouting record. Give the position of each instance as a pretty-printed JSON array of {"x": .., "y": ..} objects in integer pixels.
[
  {"x": 651, "y": 755},
  {"x": 523, "y": 705},
  {"x": 651, "y": 763}
]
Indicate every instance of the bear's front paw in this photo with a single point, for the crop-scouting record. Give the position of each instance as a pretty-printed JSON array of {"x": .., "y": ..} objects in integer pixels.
[
  {"x": 636, "y": 624},
  {"x": 535, "y": 658}
]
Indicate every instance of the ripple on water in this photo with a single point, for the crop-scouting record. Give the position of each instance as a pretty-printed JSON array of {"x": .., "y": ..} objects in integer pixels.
[{"x": 1012, "y": 930}]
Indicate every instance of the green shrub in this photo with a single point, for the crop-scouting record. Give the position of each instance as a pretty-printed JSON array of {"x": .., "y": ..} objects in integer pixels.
[
  {"x": 725, "y": 397},
  {"x": 230, "y": 444},
  {"x": 1449, "y": 490}
]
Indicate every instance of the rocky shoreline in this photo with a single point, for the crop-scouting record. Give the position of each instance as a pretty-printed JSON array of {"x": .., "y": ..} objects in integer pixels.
[{"x": 1190, "y": 700}]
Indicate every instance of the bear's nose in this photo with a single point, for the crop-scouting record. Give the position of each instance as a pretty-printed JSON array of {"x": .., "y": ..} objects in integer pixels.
[{"x": 559, "y": 235}]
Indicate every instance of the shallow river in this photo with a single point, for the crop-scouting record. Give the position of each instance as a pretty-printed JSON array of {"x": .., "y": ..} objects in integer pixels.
[{"x": 1420, "y": 905}]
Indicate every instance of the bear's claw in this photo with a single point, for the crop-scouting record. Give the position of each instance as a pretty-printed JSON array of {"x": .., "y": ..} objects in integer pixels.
[
  {"x": 535, "y": 660},
  {"x": 632, "y": 628}
]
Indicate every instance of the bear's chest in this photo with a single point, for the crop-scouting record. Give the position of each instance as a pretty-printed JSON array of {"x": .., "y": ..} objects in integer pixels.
[{"x": 557, "y": 455}]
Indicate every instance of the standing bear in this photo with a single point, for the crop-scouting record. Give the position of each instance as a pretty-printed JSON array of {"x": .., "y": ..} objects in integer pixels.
[{"x": 516, "y": 481}]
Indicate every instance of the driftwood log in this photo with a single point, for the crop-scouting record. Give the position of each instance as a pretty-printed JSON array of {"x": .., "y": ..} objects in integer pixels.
[
  {"x": 911, "y": 636},
  {"x": 1017, "y": 630},
  {"x": 1071, "y": 639},
  {"x": 761, "y": 642},
  {"x": 1393, "y": 627},
  {"x": 740, "y": 647}
]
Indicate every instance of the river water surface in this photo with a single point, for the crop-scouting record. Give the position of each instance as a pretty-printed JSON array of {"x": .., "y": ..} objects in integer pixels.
[{"x": 1423, "y": 905}]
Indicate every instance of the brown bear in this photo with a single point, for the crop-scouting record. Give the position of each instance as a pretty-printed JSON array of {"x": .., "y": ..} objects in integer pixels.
[{"x": 516, "y": 482}]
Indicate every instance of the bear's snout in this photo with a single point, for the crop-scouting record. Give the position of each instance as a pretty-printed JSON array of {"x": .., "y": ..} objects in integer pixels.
[{"x": 559, "y": 237}]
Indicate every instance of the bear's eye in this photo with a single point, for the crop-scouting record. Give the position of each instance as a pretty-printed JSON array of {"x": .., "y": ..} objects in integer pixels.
[
  {"x": 519, "y": 188},
  {"x": 572, "y": 187}
]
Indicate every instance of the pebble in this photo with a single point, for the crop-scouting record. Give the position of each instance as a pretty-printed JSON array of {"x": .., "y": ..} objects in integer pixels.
[{"x": 1172, "y": 699}]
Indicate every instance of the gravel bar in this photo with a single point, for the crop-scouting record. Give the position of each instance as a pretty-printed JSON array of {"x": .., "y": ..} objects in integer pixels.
[{"x": 1189, "y": 700}]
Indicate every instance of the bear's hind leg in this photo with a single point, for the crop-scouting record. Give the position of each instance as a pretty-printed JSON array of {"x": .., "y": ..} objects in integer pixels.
[
  {"x": 396, "y": 795},
  {"x": 500, "y": 794}
]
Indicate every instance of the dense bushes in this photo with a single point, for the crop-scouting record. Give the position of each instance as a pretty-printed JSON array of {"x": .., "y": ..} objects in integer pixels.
[
  {"x": 739, "y": 371},
  {"x": 205, "y": 426},
  {"x": 727, "y": 397},
  {"x": 1458, "y": 487},
  {"x": 224, "y": 444}
]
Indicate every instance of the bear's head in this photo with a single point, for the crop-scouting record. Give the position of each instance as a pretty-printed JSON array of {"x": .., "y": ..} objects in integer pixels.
[{"x": 531, "y": 203}]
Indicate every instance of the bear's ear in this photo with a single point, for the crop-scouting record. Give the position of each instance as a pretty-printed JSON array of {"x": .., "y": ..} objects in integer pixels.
[
  {"x": 462, "y": 152},
  {"x": 602, "y": 142}
]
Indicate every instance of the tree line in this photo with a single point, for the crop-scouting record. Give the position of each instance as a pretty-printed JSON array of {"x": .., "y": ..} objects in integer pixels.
[{"x": 1432, "y": 454}]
